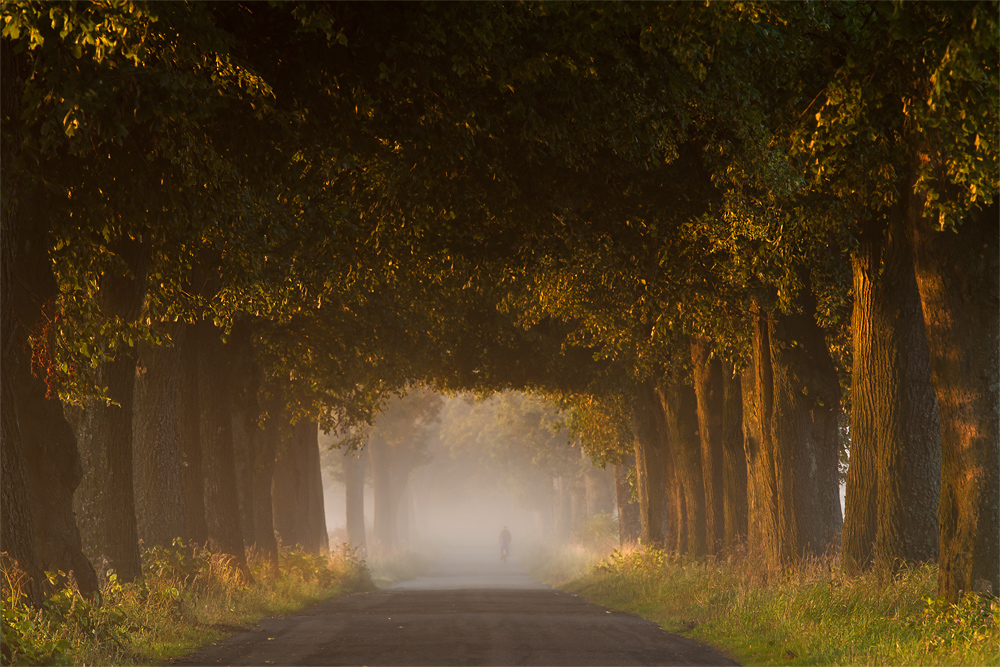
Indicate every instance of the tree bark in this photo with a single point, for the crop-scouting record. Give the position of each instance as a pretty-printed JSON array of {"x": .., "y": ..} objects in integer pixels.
[
  {"x": 680, "y": 406},
  {"x": 806, "y": 394},
  {"x": 676, "y": 513},
  {"x": 17, "y": 526},
  {"x": 897, "y": 412},
  {"x": 354, "y": 485},
  {"x": 956, "y": 275},
  {"x": 629, "y": 524},
  {"x": 707, "y": 378},
  {"x": 157, "y": 460},
  {"x": 246, "y": 413},
  {"x": 188, "y": 408},
  {"x": 105, "y": 499},
  {"x": 860, "y": 501},
  {"x": 47, "y": 445},
  {"x": 266, "y": 442},
  {"x": 317, "y": 537},
  {"x": 734, "y": 459},
  {"x": 598, "y": 487},
  {"x": 769, "y": 538},
  {"x": 222, "y": 511},
  {"x": 649, "y": 455},
  {"x": 384, "y": 495}
]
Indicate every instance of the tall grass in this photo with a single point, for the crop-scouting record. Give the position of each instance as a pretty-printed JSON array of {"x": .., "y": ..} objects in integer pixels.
[
  {"x": 557, "y": 564},
  {"x": 188, "y": 597},
  {"x": 814, "y": 615}
]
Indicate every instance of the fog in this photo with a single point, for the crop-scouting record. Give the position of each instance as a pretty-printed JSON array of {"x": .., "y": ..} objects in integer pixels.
[{"x": 468, "y": 468}]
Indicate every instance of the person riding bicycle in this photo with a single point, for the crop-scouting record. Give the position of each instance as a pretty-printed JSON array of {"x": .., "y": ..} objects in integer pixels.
[{"x": 504, "y": 544}]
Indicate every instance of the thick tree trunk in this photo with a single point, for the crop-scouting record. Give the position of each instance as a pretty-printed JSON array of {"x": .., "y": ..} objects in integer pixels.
[
  {"x": 266, "y": 441},
  {"x": 18, "y": 539},
  {"x": 769, "y": 538},
  {"x": 734, "y": 459},
  {"x": 317, "y": 537},
  {"x": 860, "y": 501},
  {"x": 354, "y": 486},
  {"x": 649, "y": 462},
  {"x": 707, "y": 377},
  {"x": 897, "y": 413},
  {"x": 246, "y": 412},
  {"x": 806, "y": 394},
  {"x": 676, "y": 513},
  {"x": 598, "y": 488},
  {"x": 17, "y": 527},
  {"x": 680, "y": 406},
  {"x": 157, "y": 460},
  {"x": 188, "y": 408},
  {"x": 629, "y": 524},
  {"x": 47, "y": 445},
  {"x": 956, "y": 275},
  {"x": 290, "y": 488},
  {"x": 222, "y": 511},
  {"x": 105, "y": 499},
  {"x": 384, "y": 495}
]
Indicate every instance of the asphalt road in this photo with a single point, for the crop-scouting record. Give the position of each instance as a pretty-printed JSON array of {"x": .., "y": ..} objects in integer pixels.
[{"x": 468, "y": 610}]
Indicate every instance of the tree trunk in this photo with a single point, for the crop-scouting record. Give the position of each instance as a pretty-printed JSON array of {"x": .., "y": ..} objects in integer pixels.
[
  {"x": 806, "y": 394},
  {"x": 860, "y": 501},
  {"x": 317, "y": 537},
  {"x": 707, "y": 377},
  {"x": 222, "y": 511},
  {"x": 105, "y": 499},
  {"x": 734, "y": 459},
  {"x": 17, "y": 526},
  {"x": 354, "y": 486},
  {"x": 384, "y": 495},
  {"x": 578, "y": 506},
  {"x": 680, "y": 406},
  {"x": 897, "y": 412},
  {"x": 246, "y": 413},
  {"x": 188, "y": 409},
  {"x": 676, "y": 514},
  {"x": 563, "y": 510},
  {"x": 17, "y": 536},
  {"x": 46, "y": 446},
  {"x": 266, "y": 441},
  {"x": 598, "y": 487},
  {"x": 293, "y": 487},
  {"x": 769, "y": 538},
  {"x": 649, "y": 455},
  {"x": 956, "y": 274},
  {"x": 157, "y": 460},
  {"x": 629, "y": 524}
]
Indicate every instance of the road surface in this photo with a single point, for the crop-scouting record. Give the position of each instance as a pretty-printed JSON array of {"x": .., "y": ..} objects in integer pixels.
[{"x": 467, "y": 610}]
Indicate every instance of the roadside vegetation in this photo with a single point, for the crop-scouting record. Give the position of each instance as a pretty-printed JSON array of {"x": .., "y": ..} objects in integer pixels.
[
  {"x": 188, "y": 597},
  {"x": 399, "y": 564},
  {"x": 814, "y": 615},
  {"x": 557, "y": 564}
]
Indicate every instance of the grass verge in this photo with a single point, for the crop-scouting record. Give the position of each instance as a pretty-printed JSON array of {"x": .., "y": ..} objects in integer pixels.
[
  {"x": 188, "y": 597},
  {"x": 812, "y": 616}
]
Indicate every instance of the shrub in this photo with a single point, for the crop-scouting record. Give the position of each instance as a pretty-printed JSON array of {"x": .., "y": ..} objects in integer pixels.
[{"x": 188, "y": 597}]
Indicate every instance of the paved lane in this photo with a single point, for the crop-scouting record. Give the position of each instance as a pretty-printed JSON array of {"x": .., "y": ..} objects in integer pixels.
[{"x": 467, "y": 610}]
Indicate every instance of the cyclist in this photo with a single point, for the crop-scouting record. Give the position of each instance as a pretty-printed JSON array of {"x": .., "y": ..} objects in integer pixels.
[{"x": 504, "y": 544}]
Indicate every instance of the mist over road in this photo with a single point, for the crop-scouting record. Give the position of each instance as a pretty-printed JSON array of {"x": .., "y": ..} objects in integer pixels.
[{"x": 469, "y": 609}]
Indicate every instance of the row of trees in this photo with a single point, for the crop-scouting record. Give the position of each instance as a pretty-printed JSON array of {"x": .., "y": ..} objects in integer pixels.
[
  {"x": 448, "y": 468},
  {"x": 711, "y": 230}
]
